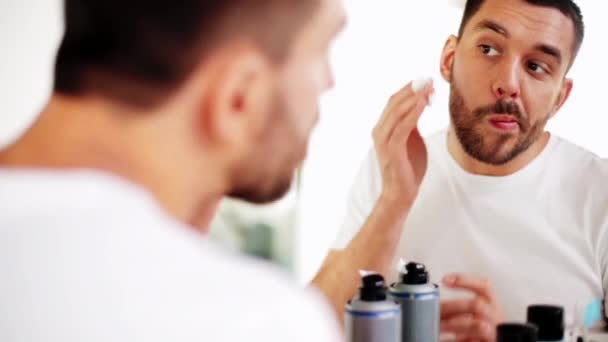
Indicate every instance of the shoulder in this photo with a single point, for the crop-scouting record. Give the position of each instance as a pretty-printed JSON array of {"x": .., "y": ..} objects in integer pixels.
[
  {"x": 581, "y": 176},
  {"x": 270, "y": 304},
  {"x": 576, "y": 160},
  {"x": 572, "y": 164}
]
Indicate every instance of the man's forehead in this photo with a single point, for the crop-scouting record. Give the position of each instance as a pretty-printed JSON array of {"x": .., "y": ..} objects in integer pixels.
[
  {"x": 527, "y": 22},
  {"x": 525, "y": 17}
]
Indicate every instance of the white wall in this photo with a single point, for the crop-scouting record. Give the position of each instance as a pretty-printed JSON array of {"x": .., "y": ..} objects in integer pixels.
[
  {"x": 30, "y": 31},
  {"x": 387, "y": 44}
]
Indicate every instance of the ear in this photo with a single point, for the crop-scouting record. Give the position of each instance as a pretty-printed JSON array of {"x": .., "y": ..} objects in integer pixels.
[
  {"x": 240, "y": 84},
  {"x": 563, "y": 95},
  {"x": 447, "y": 58}
]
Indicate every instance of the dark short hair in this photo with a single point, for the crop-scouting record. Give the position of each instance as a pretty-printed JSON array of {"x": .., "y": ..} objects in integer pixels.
[
  {"x": 568, "y": 7},
  {"x": 139, "y": 51}
]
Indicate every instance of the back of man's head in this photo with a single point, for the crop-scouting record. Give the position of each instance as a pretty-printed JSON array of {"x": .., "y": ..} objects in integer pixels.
[
  {"x": 212, "y": 97},
  {"x": 139, "y": 51}
]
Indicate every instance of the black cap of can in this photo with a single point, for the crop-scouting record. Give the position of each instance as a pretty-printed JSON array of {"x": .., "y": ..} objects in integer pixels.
[
  {"x": 516, "y": 332},
  {"x": 373, "y": 288},
  {"x": 550, "y": 321},
  {"x": 416, "y": 274}
]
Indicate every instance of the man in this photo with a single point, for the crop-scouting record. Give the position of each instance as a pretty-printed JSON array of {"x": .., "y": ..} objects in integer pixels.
[
  {"x": 507, "y": 215},
  {"x": 159, "y": 109}
]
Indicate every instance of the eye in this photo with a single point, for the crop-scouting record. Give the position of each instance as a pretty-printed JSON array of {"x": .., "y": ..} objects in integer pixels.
[
  {"x": 488, "y": 50},
  {"x": 537, "y": 68}
]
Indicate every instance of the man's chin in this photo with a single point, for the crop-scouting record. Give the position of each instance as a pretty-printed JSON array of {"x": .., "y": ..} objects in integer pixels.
[
  {"x": 263, "y": 196},
  {"x": 491, "y": 148},
  {"x": 496, "y": 156}
]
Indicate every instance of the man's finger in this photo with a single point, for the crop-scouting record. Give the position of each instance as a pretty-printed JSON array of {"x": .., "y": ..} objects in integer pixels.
[
  {"x": 393, "y": 102},
  {"x": 402, "y": 109},
  {"x": 466, "y": 338},
  {"x": 450, "y": 308},
  {"x": 468, "y": 326},
  {"x": 399, "y": 107},
  {"x": 477, "y": 285},
  {"x": 460, "y": 324},
  {"x": 477, "y": 306},
  {"x": 399, "y": 135}
]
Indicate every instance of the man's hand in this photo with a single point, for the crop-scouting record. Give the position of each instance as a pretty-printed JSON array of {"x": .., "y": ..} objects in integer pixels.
[
  {"x": 473, "y": 319},
  {"x": 401, "y": 151},
  {"x": 402, "y": 159}
]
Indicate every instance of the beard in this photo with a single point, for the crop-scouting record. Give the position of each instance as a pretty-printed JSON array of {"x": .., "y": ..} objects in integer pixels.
[
  {"x": 486, "y": 145},
  {"x": 262, "y": 194},
  {"x": 267, "y": 171}
]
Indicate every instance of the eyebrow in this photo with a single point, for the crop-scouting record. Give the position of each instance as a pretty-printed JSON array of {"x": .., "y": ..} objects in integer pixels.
[
  {"x": 550, "y": 50},
  {"x": 496, "y": 27}
]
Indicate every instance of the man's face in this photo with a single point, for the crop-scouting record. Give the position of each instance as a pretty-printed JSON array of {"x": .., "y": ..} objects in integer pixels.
[
  {"x": 508, "y": 77},
  {"x": 301, "y": 80}
]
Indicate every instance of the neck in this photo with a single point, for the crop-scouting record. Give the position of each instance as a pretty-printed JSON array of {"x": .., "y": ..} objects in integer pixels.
[
  {"x": 76, "y": 134},
  {"x": 477, "y": 167}
]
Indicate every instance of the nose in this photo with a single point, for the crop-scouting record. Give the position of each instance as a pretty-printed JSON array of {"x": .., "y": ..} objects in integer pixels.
[{"x": 506, "y": 85}]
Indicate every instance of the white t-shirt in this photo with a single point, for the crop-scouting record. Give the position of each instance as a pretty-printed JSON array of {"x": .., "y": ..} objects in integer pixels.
[
  {"x": 539, "y": 235},
  {"x": 86, "y": 256}
]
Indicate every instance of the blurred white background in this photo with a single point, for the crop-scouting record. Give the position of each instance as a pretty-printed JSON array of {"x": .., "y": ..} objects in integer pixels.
[
  {"x": 386, "y": 44},
  {"x": 30, "y": 31}
]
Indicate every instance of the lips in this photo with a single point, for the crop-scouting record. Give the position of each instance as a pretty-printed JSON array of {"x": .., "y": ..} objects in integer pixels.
[{"x": 504, "y": 122}]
